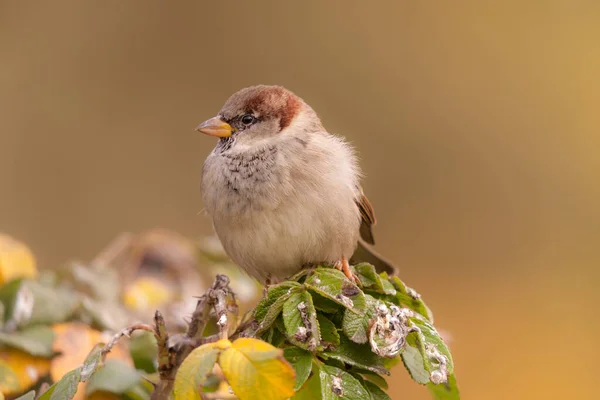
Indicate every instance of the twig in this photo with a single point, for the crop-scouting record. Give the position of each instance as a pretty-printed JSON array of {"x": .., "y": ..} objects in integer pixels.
[{"x": 124, "y": 332}]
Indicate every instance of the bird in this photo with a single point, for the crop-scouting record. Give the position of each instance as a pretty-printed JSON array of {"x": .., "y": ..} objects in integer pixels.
[{"x": 283, "y": 193}]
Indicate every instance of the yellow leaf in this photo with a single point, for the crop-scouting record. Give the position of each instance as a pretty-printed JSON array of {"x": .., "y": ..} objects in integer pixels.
[
  {"x": 145, "y": 293},
  {"x": 195, "y": 369},
  {"x": 257, "y": 371},
  {"x": 16, "y": 260},
  {"x": 27, "y": 370}
]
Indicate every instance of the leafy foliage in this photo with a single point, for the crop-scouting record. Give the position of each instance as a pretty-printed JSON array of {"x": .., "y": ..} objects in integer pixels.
[{"x": 317, "y": 335}]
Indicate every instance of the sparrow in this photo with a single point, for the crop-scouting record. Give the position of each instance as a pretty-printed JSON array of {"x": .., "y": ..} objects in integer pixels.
[{"x": 282, "y": 192}]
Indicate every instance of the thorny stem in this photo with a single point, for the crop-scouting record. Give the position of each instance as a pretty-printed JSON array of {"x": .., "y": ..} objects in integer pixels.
[
  {"x": 172, "y": 351},
  {"x": 124, "y": 332}
]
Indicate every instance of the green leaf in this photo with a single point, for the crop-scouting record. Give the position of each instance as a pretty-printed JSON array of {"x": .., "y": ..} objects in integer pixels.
[
  {"x": 324, "y": 304},
  {"x": 143, "y": 350},
  {"x": 311, "y": 390},
  {"x": 338, "y": 384},
  {"x": 35, "y": 340},
  {"x": 27, "y": 396},
  {"x": 426, "y": 356},
  {"x": 274, "y": 293},
  {"x": 64, "y": 389},
  {"x": 92, "y": 362},
  {"x": 409, "y": 298},
  {"x": 271, "y": 306},
  {"x": 51, "y": 305},
  {"x": 376, "y": 392},
  {"x": 356, "y": 327},
  {"x": 8, "y": 297},
  {"x": 194, "y": 371},
  {"x": 375, "y": 378},
  {"x": 301, "y": 360},
  {"x": 371, "y": 281},
  {"x": 329, "y": 333},
  {"x": 300, "y": 320},
  {"x": 445, "y": 391},
  {"x": 357, "y": 355},
  {"x": 335, "y": 286},
  {"x": 115, "y": 377}
]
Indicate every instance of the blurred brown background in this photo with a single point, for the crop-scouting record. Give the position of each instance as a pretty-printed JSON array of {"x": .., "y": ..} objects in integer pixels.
[{"x": 477, "y": 125}]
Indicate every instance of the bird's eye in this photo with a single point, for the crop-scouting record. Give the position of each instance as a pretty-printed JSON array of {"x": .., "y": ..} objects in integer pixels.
[{"x": 247, "y": 119}]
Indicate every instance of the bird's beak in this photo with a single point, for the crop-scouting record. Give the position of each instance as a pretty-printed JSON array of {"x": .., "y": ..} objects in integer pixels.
[{"x": 215, "y": 127}]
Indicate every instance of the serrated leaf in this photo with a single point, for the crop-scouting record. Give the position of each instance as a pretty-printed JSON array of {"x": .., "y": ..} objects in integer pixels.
[
  {"x": 35, "y": 340},
  {"x": 301, "y": 361},
  {"x": 325, "y": 305},
  {"x": 114, "y": 377},
  {"x": 337, "y": 384},
  {"x": 407, "y": 297},
  {"x": 426, "y": 356},
  {"x": 335, "y": 286},
  {"x": 376, "y": 392},
  {"x": 257, "y": 371},
  {"x": 371, "y": 280},
  {"x": 445, "y": 391},
  {"x": 194, "y": 371},
  {"x": 300, "y": 320},
  {"x": 375, "y": 379},
  {"x": 357, "y": 355},
  {"x": 274, "y": 293},
  {"x": 356, "y": 327},
  {"x": 329, "y": 332},
  {"x": 92, "y": 362},
  {"x": 274, "y": 305}
]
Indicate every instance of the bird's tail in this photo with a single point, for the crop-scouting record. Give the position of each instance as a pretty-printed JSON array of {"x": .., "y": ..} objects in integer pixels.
[{"x": 365, "y": 253}]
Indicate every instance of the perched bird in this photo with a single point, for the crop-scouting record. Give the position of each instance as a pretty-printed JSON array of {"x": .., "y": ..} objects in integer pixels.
[{"x": 282, "y": 192}]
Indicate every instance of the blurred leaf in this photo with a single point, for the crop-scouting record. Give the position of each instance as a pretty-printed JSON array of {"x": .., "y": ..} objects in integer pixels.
[
  {"x": 409, "y": 298},
  {"x": 147, "y": 293},
  {"x": 194, "y": 371},
  {"x": 99, "y": 281},
  {"x": 35, "y": 340},
  {"x": 16, "y": 260},
  {"x": 356, "y": 327},
  {"x": 300, "y": 320},
  {"x": 338, "y": 384},
  {"x": 17, "y": 302},
  {"x": 301, "y": 360},
  {"x": 257, "y": 371},
  {"x": 9, "y": 381},
  {"x": 445, "y": 391},
  {"x": 333, "y": 284},
  {"x": 106, "y": 315},
  {"x": 27, "y": 396},
  {"x": 114, "y": 377},
  {"x": 75, "y": 343},
  {"x": 311, "y": 390},
  {"x": 27, "y": 368},
  {"x": 65, "y": 388},
  {"x": 51, "y": 305},
  {"x": 269, "y": 308},
  {"x": 357, "y": 355},
  {"x": 92, "y": 362},
  {"x": 329, "y": 333},
  {"x": 143, "y": 350},
  {"x": 376, "y": 392}
]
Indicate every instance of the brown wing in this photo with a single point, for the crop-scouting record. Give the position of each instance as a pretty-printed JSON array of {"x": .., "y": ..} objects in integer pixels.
[{"x": 368, "y": 218}]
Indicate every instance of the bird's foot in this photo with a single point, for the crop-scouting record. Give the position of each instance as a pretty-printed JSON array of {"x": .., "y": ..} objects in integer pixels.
[{"x": 344, "y": 266}]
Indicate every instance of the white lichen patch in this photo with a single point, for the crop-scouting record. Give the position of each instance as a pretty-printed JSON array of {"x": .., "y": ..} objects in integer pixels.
[
  {"x": 440, "y": 361},
  {"x": 301, "y": 334},
  {"x": 222, "y": 320},
  {"x": 336, "y": 386},
  {"x": 317, "y": 281},
  {"x": 413, "y": 293},
  {"x": 389, "y": 329},
  {"x": 346, "y": 301}
]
